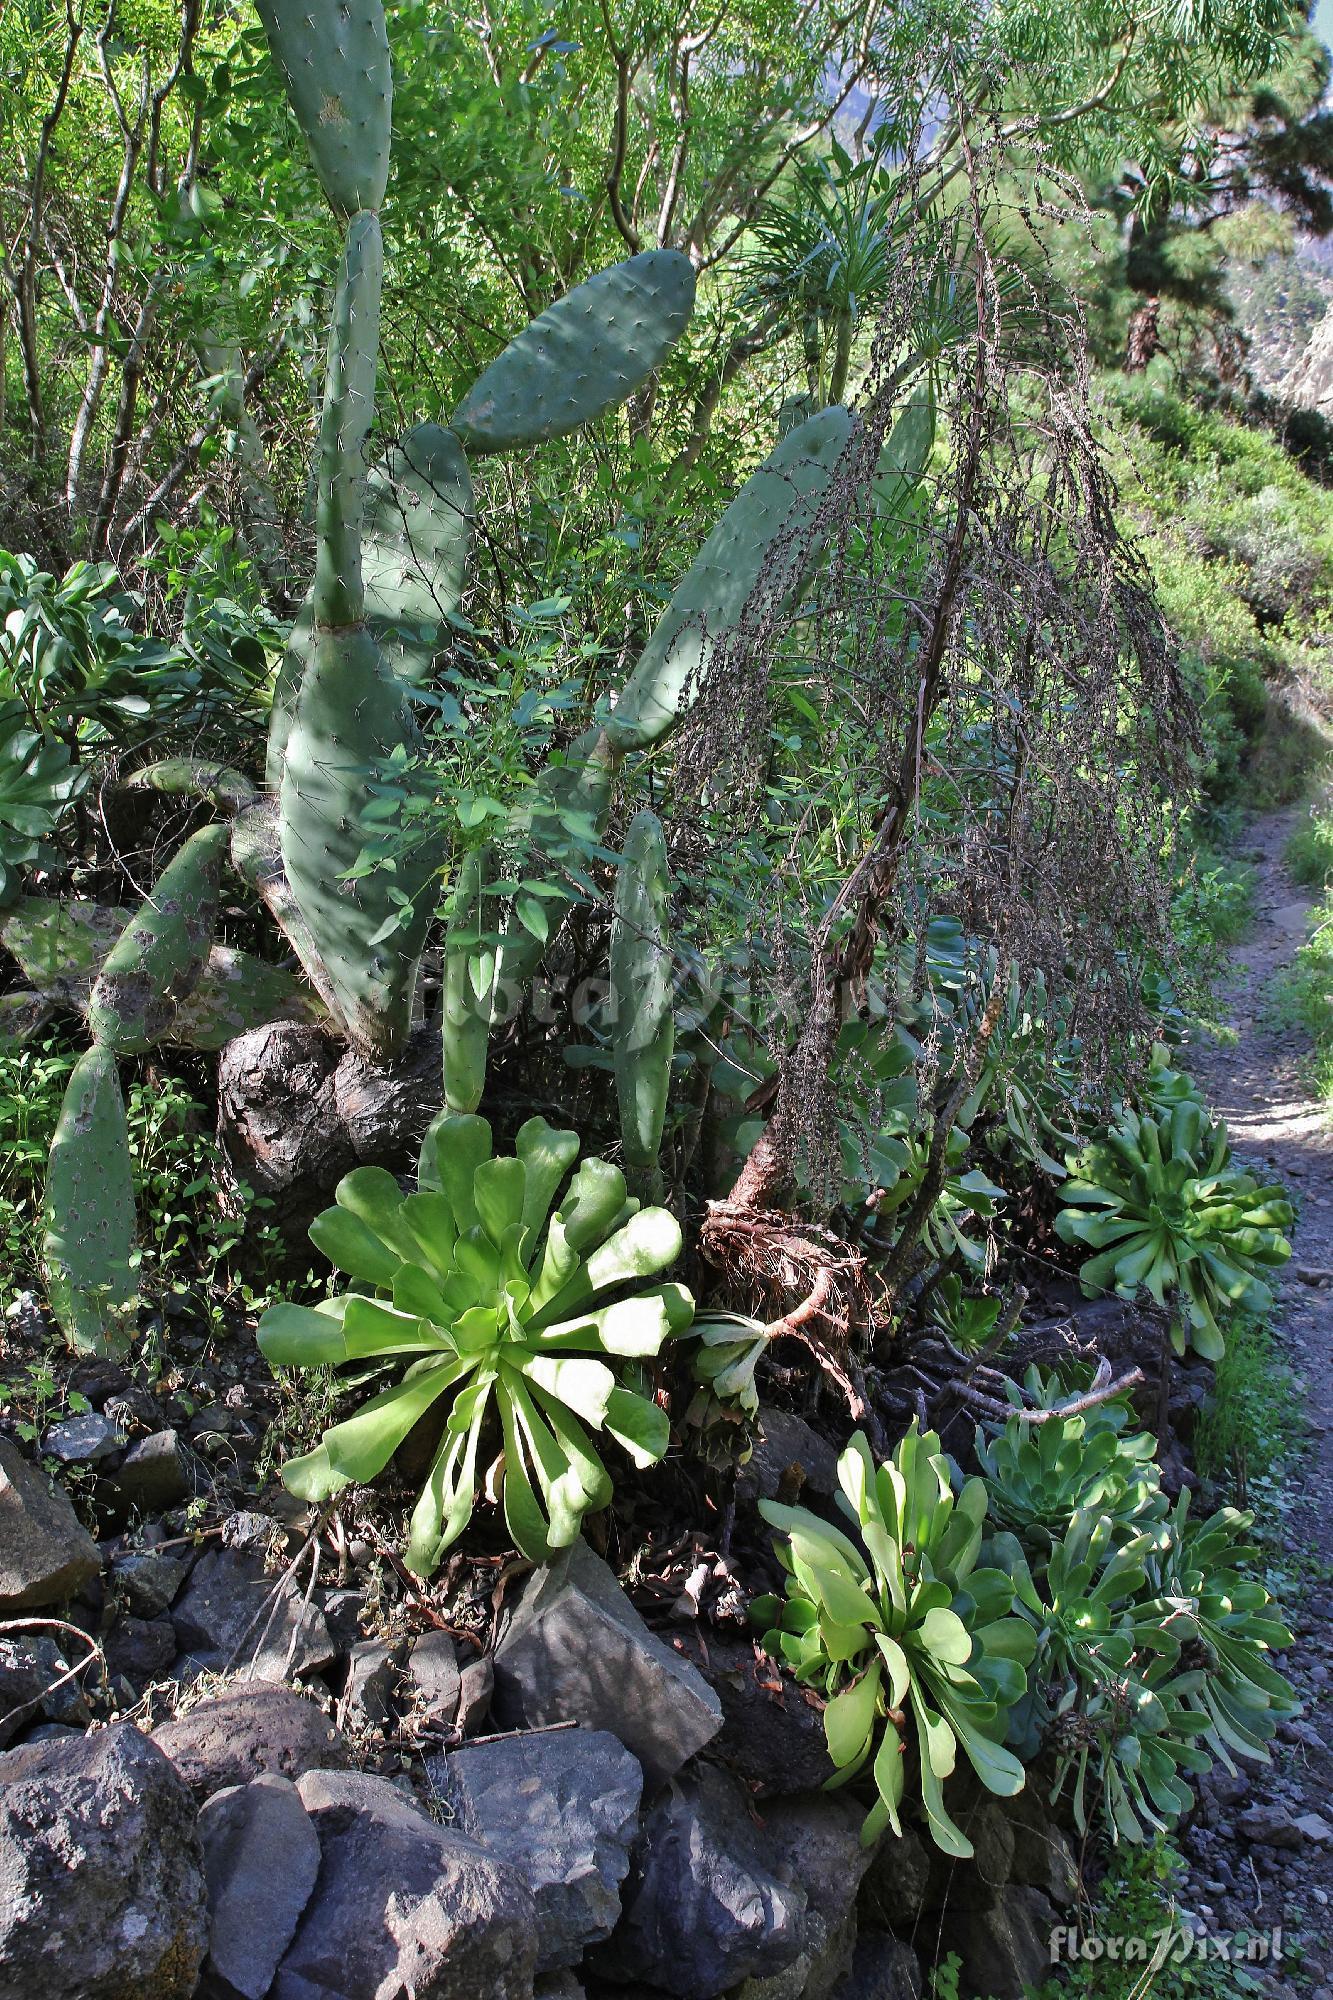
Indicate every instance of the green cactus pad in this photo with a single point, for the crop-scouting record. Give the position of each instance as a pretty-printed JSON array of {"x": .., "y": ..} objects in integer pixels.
[
  {"x": 195, "y": 777},
  {"x": 334, "y": 59},
  {"x": 62, "y": 946},
  {"x": 581, "y": 357},
  {"x": 414, "y": 551},
  {"x": 349, "y": 409},
  {"x": 904, "y": 453},
  {"x": 88, "y": 1237},
  {"x": 469, "y": 975},
  {"x": 777, "y": 504},
  {"x": 352, "y": 719},
  {"x": 161, "y": 953},
  {"x": 643, "y": 1034}
]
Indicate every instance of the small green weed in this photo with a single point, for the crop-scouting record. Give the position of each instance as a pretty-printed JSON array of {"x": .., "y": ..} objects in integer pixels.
[
  {"x": 1302, "y": 997},
  {"x": 1309, "y": 852},
  {"x": 1139, "y": 1947},
  {"x": 1251, "y": 1426}
]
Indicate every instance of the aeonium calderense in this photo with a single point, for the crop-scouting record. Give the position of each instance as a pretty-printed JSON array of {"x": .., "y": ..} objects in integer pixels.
[{"x": 519, "y": 1320}]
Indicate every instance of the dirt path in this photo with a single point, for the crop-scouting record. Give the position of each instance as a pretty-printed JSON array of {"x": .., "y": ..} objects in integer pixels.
[{"x": 1257, "y": 1858}]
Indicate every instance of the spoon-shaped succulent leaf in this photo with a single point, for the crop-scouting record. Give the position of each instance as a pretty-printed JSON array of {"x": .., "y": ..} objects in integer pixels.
[
  {"x": 897, "y": 1617},
  {"x": 456, "y": 1272}
]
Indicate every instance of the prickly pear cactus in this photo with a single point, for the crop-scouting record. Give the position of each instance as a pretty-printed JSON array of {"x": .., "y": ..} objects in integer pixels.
[
  {"x": 582, "y": 357},
  {"x": 334, "y": 58},
  {"x": 778, "y": 503},
  {"x": 415, "y": 548},
  {"x": 469, "y": 976},
  {"x": 643, "y": 1034},
  {"x": 88, "y": 1238},
  {"x": 162, "y": 951}
]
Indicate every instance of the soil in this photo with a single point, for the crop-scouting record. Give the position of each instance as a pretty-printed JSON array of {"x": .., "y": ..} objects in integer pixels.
[{"x": 1260, "y": 1084}]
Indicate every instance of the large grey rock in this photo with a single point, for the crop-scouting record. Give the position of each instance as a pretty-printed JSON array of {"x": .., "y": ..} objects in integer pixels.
[
  {"x": 46, "y": 1555},
  {"x": 1043, "y": 1856},
  {"x": 433, "y": 1678},
  {"x": 563, "y": 1807},
  {"x": 374, "y": 1673},
  {"x": 140, "y": 1649},
  {"x": 403, "y": 1906},
  {"x": 148, "y": 1580},
  {"x": 893, "y": 1893},
  {"x": 234, "y": 1613},
  {"x": 788, "y": 1457},
  {"x": 576, "y": 1650},
  {"x": 974, "y": 1884},
  {"x": 155, "y": 1474},
  {"x": 251, "y": 1727},
  {"x": 816, "y": 1844},
  {"x": 34, "y": 1688},
  {"x": 85, "y": 1439},
  {"x": 707, "y": 1904},
  {"x": 883, "y": 1968},
  {"x": 261, "y": 1859},
  {"x": 1006, "y": 1949},
  {"x": 771, "y": 1735},
  {"x": 101, "y": 1871}
]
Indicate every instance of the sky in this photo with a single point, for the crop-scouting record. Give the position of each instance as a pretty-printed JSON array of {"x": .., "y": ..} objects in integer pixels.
[{"x": 1323, "y": 21}]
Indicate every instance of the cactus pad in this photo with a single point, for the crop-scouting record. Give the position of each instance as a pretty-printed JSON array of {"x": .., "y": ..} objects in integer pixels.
[
  {"x": 777, "y": 505},
  {"x": 643, "y": 1033},
  {"x": 414, "y": 551},
  {"x": 88, "y": 1238},
  {"x": 349, "y": 409},
  {"x": 581, "y": 357},
  {"x": 334, "y": 59},
  {"x": 162, "y": 951},
  {"x": 353, "y": 718}
]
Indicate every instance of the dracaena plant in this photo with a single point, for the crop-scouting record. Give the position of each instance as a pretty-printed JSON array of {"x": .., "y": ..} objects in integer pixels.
[
  {"x": 1047, "y": 1466},
  {"x": 514, "y": 1316},
  {"x": 1163, "y": 1208},
  {"x": 901, "y": 1621}
]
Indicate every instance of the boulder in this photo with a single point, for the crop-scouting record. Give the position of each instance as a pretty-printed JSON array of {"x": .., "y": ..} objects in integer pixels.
[
  {"x": 1043, "y": 1857},
  {"x": 403, "y": 1906},
  {"x": 46, "y": 1555},
  {"x": 140, "y": 1649},
  {"x": 433, "y": 1679},
  {"x": 385, "y": 1108},
  {"x": 261, "y": 1860},
  {"x": 974, "y": 1884},
  {"x": 576, "y": 1650},
  {"x": 85, "y": 1439},
  {"x": 707, "y": 1904},
  {"x": 33, "y": 1688},
  {"x": 102, "y": 1872},
  {"x": 252, "y": 1726},
  {"x": 893, "y": 1893},
  {"x": 788, "y": 1458},
  {"x": 148, "y": 1581},
  {"x": 155, "y": 1474},
  {"x": 562, "y": 1806},
  {"x": 373, "y": 1675},
  {"x": 771, "y": 1735},
  {"x": 476, "y": 1690},
  {"x": 1005, "y": 1949},
  {"x": 816, "y": 1844},
  {"x": 234, "y": 1612},
  {"x": 883, "y": 1968}
]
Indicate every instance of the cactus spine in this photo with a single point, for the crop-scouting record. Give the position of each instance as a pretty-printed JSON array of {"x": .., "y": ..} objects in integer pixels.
[{"x": 644, "y": 1026}]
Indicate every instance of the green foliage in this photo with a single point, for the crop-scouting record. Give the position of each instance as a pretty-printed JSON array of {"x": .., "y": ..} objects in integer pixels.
[
  {"x": 1309, "y": 851},
  {"x": 1163, "y": 1209},
  {"x": 38, "y": 783},
  {"x": 904, "y": 1621},
  {"x": 507, "y": 1313},
  {"x": 1040, "y": 1472},
  {"x": 1252, "y": 1423}
]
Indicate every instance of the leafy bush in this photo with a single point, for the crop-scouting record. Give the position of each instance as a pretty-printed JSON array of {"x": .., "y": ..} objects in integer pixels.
[
  {"x": 1162, "y": 1207},
  {"x": 503, "y": 1311},
  {"x": 1309, "y": 852},
  {"x": 904, "y": 1621},
  {"x": 38, "y": 783}
]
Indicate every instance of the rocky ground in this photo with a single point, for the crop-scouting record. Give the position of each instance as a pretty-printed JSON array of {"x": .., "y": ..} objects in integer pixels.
[
  {"x": 244, "y": 1755},
  {"x": 1261, "y": 1849}
]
